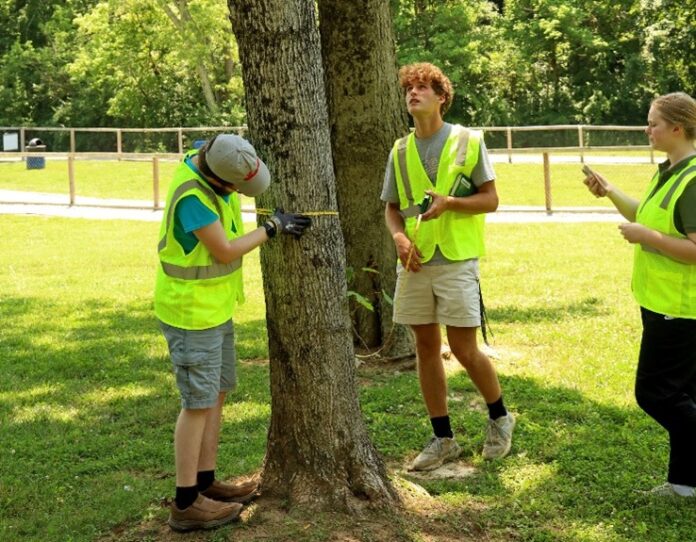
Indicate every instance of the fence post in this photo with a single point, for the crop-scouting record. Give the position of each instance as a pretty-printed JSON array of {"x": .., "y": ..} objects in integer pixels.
[
  {"x": 72, "y": 140},
  {"x": 181, "y": 141},
  {"x": 581, "y": 144},
  {"x": 155, "y": 182},
  {"x": 547, "y": 183},
  {"x": 22, "y": 141},
  {"x": 509, "y": 144},
  {"x": 71, "y": 177},
  {"x": 119, "y": 143}
]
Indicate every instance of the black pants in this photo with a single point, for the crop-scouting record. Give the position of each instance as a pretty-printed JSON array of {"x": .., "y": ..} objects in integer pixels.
[{"x": 666, "y": 387}]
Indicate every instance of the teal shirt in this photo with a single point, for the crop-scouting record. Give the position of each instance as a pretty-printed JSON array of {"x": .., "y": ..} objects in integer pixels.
[{"x": 190, "y": 215}]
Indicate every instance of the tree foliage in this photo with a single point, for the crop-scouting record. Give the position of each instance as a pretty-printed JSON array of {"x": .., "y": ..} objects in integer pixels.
[{"x": 154, "y": 62}]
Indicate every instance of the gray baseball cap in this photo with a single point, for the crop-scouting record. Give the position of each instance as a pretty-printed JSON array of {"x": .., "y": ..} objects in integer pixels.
[{"x": 233, "y": 159}]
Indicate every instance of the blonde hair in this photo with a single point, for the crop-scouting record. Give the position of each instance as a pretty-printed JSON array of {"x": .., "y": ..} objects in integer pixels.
[
  {"x": 678, "y": 108},
  {"x": 424, "y": 72}
]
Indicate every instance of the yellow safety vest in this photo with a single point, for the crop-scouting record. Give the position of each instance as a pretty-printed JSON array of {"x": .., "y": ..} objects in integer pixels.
[
  {"x": 458, "y": 235},
  {"x": 661, "y": 284},
  {"x": 194, "y": 290}
]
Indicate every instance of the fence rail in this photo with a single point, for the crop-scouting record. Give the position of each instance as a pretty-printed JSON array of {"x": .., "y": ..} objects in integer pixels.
[
  {"x": 582, "y": 145},
  {"x": 182, "y": 134},
  {"x": 579, "y": 137}
]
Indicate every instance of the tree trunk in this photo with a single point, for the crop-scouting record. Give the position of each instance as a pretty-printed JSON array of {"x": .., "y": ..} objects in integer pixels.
[
  {"x": 319, "y": 453},
  {"x": 367, "y": 115}
]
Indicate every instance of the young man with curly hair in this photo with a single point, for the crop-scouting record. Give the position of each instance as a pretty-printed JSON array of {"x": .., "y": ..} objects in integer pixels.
[{"x": 446, "y": 166}]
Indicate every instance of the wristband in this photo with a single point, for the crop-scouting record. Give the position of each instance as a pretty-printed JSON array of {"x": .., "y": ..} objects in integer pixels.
[{"x": 270, "y": 228}]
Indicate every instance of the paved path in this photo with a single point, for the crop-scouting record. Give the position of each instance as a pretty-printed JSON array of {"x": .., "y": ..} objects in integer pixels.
[
  {"x": 556, "y": 158},
  {"x": 43, "y": 204}
]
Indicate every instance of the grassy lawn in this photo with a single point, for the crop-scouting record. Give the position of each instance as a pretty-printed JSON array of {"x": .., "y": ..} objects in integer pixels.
[
  {"x": 518, "y": 184},
  {"x": 523, "y": 184},
  {"x": 88, "y": 404}
]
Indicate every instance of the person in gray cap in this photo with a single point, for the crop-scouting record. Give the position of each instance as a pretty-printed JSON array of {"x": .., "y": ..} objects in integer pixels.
[{"x": 199, "y": 284}]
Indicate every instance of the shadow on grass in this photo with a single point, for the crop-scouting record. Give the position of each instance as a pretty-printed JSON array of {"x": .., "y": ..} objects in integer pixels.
[
  {"x": 586, "y": 308},
  {"x": 573, "y": 472},
  {"x": 88, "y": 405}
]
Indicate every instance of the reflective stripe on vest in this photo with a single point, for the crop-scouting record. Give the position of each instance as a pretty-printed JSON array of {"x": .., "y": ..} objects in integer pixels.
[
  {"x": 200, "y": 272},
  {"x": 670, "y": 193}
]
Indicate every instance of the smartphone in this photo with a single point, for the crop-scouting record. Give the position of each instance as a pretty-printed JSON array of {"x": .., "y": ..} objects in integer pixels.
[
  {"x": 427, "y": 200},
  {"x": 587, "y": 171}
]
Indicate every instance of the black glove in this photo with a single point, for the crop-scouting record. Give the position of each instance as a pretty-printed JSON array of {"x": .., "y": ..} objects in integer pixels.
[{"x": 290, "y": 223}]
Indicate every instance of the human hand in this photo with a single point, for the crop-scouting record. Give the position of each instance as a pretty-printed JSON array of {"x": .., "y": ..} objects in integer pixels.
[
  {"x": 289, "y": 223},
  {"x": 404, "y": 248},
  {"x": 596, "y": 184},
  {"x": 634, "y": 232},
  {"x": 439, "y": 204}
]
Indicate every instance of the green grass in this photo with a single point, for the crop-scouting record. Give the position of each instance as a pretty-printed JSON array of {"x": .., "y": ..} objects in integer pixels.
[
  {"x": 93, "y": 178},
  {"x": 523, "y": 184},
  {"x": 88, "y": 404},
  {"x": 518, "y": 183}
]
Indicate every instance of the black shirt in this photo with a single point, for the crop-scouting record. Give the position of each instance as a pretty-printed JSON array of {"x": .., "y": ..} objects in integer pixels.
[{"x": 685, "y": 209}]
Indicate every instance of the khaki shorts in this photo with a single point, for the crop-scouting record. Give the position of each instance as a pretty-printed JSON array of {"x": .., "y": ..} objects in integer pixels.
[
  {"x": 204, "y": 362},
  {"x": 445, "y": 294}
]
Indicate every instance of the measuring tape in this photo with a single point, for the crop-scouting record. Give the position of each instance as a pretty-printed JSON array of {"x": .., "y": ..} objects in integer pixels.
[{"x": 269, "y": 212}]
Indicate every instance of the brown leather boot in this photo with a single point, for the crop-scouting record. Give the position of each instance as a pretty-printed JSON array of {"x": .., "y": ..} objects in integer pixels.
[
  {"x": 226, "y": 492},
  {"x": 204, "y": 513}
]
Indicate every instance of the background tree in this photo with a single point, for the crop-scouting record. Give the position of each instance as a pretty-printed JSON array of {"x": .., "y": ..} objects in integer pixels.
[
  {"x": 156, "y": 62},
  {"x": 36, "y": 42},
  {"x": 367, "y": 115},
  {"x": 175, "y": 74},
  {"x": 319, "y": 453},
  {"x": 464, "y": 38}
]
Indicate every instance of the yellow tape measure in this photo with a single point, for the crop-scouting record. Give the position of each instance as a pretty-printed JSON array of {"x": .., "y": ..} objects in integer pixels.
[{"x": 269, "y": 212}]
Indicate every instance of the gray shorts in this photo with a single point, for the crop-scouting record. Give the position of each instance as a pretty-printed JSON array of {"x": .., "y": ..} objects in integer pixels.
[
  {"x": 445, "y": 294},
  {"x": 204, "y": 362}
]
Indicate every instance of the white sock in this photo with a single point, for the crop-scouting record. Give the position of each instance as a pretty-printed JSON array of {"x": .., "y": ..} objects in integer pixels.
[{"x": 684, "y": 491}]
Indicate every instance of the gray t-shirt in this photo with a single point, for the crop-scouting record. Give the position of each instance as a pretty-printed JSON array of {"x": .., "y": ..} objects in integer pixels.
[{"x": 429, "y": 151}]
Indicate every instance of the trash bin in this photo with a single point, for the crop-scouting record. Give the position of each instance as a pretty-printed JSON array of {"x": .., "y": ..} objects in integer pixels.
[{"x": 35, "y": 162}]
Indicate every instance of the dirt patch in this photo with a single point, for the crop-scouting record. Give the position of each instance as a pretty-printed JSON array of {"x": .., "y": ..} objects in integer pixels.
[{"x": 419, "y": 517}]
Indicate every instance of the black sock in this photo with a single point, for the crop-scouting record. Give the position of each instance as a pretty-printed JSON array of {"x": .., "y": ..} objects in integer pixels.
[
  {"x": 205, "y": 479},
  {"x": 497, "y": 409},
  {"x": 441, "y": 427},
  {"x": 185, "y": 496}
]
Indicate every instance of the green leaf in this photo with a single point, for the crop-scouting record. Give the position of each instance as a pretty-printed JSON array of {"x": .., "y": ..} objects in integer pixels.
[
  {"x": 387, "y": 298},
  {"x": 362, "y": 300}
]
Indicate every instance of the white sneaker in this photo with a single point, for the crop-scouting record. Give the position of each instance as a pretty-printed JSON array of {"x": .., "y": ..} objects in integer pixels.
[
  {"x": 671, "y": 490},
  {"x": 499, "y": 437},
  {"x": 435, "y": 453}
]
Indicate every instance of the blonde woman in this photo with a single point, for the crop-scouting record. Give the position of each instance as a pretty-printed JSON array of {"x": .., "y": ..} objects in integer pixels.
[{"x": 662, "y": 227}]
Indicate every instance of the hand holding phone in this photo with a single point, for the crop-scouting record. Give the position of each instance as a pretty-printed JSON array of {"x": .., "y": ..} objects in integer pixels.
[
  {"x": 595, "y": 182},
  {"x": 425, "y": 204}
]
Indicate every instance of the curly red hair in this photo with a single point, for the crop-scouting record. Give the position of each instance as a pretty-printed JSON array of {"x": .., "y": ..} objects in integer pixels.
[{"x": 424, "y": 72}]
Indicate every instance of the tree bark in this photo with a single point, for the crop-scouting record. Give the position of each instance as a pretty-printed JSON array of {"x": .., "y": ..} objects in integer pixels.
[
  {"x": 319, "y": 454},
  {"x": 366, "y": 115}
]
